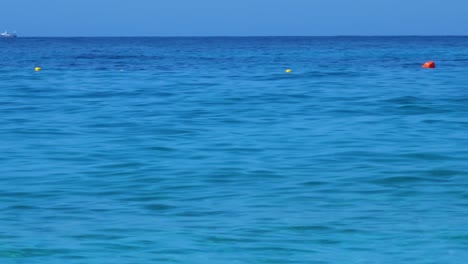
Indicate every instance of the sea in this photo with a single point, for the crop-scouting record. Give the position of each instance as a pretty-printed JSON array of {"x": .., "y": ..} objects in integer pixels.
[{"x": 206, "y": 151}]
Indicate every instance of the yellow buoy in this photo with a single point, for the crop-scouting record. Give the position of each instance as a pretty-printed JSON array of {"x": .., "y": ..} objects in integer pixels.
[
  {"x": 37, "y": 69},
  {"x": 288, "y": 71}
]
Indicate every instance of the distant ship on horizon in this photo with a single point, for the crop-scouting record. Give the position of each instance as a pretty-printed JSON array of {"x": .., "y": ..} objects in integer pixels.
[{"x": 7, "y": 34}]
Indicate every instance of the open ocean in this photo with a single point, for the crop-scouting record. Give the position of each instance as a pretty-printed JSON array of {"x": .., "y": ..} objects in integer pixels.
[{"x": 204, "y": 151}]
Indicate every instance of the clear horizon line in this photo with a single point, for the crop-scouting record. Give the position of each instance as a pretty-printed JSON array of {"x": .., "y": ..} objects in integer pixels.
[{"x": 240, "y": 36}]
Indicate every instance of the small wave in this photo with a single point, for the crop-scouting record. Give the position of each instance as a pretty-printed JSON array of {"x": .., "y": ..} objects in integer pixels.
[{"x": 116, "y": 57}]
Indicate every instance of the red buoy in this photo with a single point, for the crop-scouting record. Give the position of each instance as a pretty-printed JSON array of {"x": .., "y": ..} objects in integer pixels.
[{"x": 429, "y": 65}]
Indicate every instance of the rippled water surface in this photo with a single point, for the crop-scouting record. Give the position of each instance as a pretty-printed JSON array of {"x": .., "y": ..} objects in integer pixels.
[{"x": 203, "y": 150}]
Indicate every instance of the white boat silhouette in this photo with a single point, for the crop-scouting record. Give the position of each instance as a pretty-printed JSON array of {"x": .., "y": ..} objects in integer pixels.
[{"x": 7, "y": 34}]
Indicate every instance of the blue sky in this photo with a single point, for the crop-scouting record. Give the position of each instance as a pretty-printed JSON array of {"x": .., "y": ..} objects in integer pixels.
[{"x": 234, "y": 17}]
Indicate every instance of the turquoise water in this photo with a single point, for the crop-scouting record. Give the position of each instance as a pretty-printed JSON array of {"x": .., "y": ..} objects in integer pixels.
[{"x": 203, "y": 150}]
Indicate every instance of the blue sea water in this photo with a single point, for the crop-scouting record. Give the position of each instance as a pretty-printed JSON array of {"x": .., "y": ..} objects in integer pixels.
[{"x": 203, "y": 150}]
